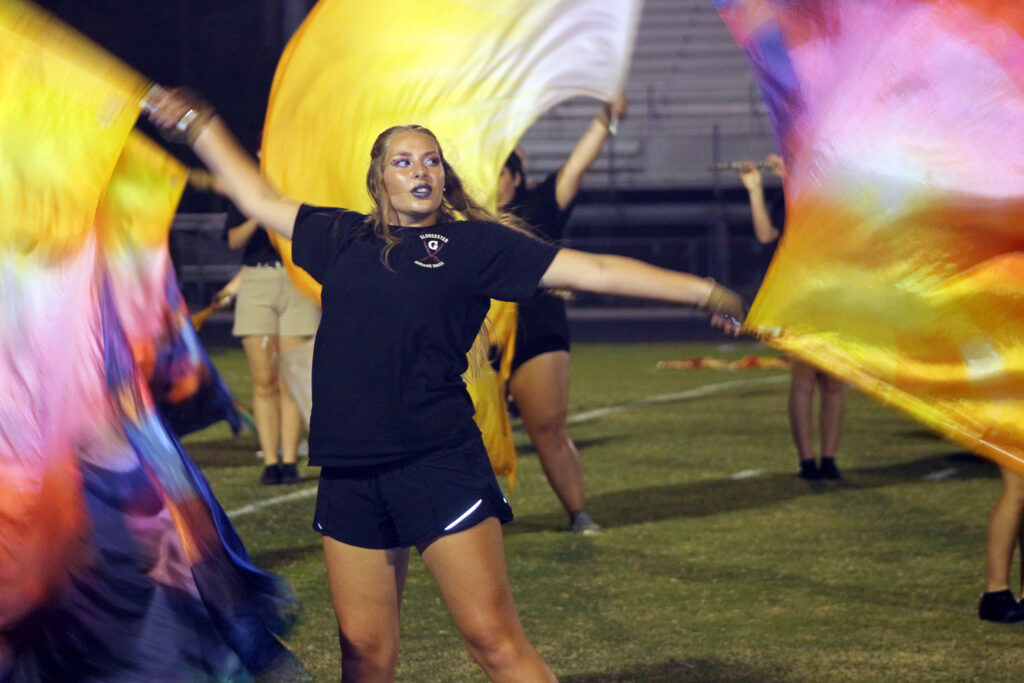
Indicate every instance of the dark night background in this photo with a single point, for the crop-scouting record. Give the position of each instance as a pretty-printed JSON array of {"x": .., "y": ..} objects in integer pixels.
[{"x": 224, "y": 49}]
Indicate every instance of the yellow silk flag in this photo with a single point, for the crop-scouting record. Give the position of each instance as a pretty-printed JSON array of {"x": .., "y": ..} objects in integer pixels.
[
  {"x": 133, "y": 222},
  {"x": 901, "y": 269},
  {"x": 65, "y": 111},
  {"x": 478, "y": 73},
  {"x": 489, "y": 387},
  {"x": 141, "y": 197}
]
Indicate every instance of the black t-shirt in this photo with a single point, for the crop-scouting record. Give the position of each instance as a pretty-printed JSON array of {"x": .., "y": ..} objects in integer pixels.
[
  {"x": 539, "y": 208},
  {"x": 391, "y": 347},
  {"x": 258, "y": 250}
]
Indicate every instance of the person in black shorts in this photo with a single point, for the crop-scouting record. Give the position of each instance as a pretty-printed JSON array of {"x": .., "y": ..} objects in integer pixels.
[
  {"x": 539, "y": 384},
  {"x": 405, "y": 291}
]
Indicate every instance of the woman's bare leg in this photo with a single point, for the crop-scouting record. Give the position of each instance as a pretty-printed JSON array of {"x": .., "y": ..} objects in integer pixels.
[
  {"x": 261, "y": 351},
  {"x": 1004, "y": 531},
  {"x": 366, "y": 592},
  {"x": 469, "y": 568},
  {"x": 540, "y": 388},
  {"x": 831, "y": 418},
  {"x": 292, "y": 423},
  {"x": 801, "y": 407}
]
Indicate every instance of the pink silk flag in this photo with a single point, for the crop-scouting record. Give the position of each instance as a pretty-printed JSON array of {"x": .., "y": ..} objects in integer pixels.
[{"x": 901, "y": 269}]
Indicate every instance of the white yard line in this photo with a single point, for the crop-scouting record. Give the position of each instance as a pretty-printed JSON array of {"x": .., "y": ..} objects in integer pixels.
[
  {"x": 270, "y": 502},
  {"x": 699, "y": 392},
  {"x": 941, "y": 474}
]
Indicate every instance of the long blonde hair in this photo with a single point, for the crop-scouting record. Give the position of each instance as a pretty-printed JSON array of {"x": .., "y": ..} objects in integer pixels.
[{"x": 456, "y": 202}]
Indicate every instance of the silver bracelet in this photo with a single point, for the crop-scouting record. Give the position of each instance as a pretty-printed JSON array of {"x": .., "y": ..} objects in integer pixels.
[{"x": 185, "y": 121}]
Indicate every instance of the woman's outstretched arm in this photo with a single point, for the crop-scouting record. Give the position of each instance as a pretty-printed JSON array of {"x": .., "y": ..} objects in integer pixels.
[
  {"x": 622, "y": 276},
  {"x": 183, "y": 117}
]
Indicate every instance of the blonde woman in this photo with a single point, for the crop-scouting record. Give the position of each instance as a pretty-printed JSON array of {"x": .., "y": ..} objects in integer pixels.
[{"x": 405, "y": 291}]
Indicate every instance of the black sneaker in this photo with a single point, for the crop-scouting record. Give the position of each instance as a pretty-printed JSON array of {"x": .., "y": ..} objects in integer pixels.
[
  {"x": 809, "y": 470},
  {"x": 828, "y": 469},
  {"x": 1001, "y": 607},
  {"x": 289, "y": 473},
  {"x": 271, "y": 475}
]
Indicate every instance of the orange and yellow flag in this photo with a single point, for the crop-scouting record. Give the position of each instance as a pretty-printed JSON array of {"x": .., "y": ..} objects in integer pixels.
[{"x": 901, "y": 269}]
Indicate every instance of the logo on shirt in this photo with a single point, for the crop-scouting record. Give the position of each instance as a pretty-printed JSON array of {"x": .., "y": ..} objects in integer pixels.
[{"x": 433, "y": 244}]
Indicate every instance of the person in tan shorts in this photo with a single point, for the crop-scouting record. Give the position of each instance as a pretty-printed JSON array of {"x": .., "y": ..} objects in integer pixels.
[{"x": 271, "y": 317}]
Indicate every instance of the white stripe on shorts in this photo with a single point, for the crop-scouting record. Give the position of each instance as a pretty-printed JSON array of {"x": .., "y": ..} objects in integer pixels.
[{"x": 465, "y": 514}]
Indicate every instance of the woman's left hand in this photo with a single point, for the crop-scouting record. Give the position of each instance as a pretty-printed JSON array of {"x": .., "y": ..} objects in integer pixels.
[{"x": 727, "y": 324}]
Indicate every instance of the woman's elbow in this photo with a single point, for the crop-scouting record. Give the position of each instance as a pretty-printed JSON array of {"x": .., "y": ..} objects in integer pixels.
[
  {"x": 593, "y": 273},
  {"x": 571, "y": 269}
]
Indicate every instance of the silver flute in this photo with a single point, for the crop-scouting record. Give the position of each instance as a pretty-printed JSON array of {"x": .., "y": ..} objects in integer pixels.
[{"x": 736, "y": 165}]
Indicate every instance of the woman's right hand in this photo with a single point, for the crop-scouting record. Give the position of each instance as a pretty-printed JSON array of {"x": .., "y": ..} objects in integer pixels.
[
  {"x": 179, "y": 115},
  {"x": 775, "y": 163}
]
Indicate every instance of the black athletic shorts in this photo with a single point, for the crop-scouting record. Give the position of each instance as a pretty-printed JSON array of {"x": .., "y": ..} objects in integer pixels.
[
  {"x": 543, "y": 327},
  {"x": 399, "y": 505}
]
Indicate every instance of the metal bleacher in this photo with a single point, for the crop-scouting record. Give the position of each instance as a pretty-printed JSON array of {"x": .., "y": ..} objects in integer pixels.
[
  {"x": 203, "y": 261},
  {"x": 692, "y": 102}
]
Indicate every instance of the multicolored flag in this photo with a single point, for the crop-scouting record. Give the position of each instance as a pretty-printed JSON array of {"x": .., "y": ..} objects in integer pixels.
[
  {"x": 901, "y": 269},
  {"x": 116, "y": 562}
]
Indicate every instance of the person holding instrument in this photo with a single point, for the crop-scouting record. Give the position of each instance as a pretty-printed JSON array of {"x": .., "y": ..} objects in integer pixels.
[
  {"x": 405, "y": 291},
  {"x": 768, "y": 225}
]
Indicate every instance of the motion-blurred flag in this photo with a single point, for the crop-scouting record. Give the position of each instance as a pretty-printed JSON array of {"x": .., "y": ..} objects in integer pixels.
[
  {"x": 478, "y": 73},
  {"x": 901, "y": 269},
  {"x": 116, "y": 562},
  {"x": 133, "y": 221}
]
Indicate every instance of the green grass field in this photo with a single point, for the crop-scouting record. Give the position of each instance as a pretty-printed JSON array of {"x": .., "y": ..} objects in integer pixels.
[{"x": 717, "y": 562}]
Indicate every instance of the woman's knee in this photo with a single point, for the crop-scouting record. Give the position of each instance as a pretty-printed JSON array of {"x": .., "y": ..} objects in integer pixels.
[
  {"x": 495, "y": 645},
  {"x": 368, "y": 653},
  {"x": 265, "y": 386},
  {"x": 832, "y": 387},
  {"x": 549, "y": 429},
  {"x": 802, "y": 386},
  {"x": 1013, "y": 489}
]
